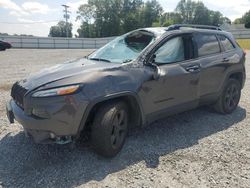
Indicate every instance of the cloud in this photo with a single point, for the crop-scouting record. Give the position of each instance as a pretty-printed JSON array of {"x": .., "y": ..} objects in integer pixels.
[
  {"x": 74, "y": 6},
  {"x": 35, "y": 7},
  {"x": 25, "y": 16},
  {"x": 76, "y": 26},
  {"x": 35, "y": 26},
  {"x": 230, "y": 8},
  {"x": 10, "y": 5},
  {"x": 28, "y": 20},
  {"x": 27, "y": 8},
  {"x": 36, "y": 29},
  {"x": 31, "y": 22},
  {"x": 15, "y": 13},
  {"x": 7, "y": 4}
]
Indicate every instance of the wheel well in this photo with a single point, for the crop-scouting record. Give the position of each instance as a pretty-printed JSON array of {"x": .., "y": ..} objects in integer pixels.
[
  {"x": 237, "y": 76},
  {"x": 135, "y": 116}
]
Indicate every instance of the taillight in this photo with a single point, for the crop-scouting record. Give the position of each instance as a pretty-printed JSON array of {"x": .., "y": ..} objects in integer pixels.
[{"x": 245, "y": 52}]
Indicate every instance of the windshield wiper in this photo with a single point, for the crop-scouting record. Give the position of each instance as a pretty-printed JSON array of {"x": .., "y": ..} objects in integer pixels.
[{"x": 99, "y": 59}]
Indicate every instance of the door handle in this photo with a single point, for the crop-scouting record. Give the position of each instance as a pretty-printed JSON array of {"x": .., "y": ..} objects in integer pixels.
[
  {"x": 193, "y": 68},
  {"x": 225, "y": 59}
]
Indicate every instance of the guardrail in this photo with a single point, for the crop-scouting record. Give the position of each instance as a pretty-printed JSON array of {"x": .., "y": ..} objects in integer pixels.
[
  {"x": 80, "y": 43},
  {"x": 241, "y": 33},
  {"x": 56, "y": 42}
]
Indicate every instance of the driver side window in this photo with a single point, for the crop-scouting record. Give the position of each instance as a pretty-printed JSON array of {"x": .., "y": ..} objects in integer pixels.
[{"x": 170, "y": 52}]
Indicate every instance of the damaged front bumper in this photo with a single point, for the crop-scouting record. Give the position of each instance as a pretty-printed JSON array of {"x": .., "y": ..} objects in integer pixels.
[{"x": 48, "y": 130}]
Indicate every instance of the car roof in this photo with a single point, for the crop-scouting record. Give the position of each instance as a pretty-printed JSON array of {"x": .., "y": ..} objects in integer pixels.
[{"x": 158, "y": 31}]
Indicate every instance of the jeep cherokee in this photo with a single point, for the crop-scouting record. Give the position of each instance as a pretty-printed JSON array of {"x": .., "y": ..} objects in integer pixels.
[{"x": 133, "y": 80}]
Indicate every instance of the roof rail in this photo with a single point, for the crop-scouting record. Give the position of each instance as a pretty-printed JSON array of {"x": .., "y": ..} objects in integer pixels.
[{"x": 178, "y": 26}]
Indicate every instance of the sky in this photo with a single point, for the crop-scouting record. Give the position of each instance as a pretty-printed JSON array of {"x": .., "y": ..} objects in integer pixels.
[{"x": 35, "y": 17}]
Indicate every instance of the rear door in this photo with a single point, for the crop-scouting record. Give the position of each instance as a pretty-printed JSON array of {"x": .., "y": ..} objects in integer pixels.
[{"x": 209, "y": 54}]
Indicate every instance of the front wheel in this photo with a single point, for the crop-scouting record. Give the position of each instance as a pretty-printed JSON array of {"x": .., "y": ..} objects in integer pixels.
[
  {"x": 230, "y": 97},
  {"x": 109, "y": 129}
]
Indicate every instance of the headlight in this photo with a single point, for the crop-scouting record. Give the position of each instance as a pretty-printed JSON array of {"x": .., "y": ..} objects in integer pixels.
[{"x": 56, "y": 91}]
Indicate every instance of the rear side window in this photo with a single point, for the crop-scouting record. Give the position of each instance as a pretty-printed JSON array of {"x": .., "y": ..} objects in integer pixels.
[
  {"x": 207, "y": 44},
  {"x": 227, "y": 44}
]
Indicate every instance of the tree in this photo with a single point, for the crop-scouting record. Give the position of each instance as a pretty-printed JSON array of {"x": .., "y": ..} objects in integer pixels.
[
  {"x": 201, "y": 14},
  {"x": 192, "y": 12},
  {"x": 107, "y": 17},
  {"x": 55, "y": 31},
  {"x": 115, "y": 17},
  {"x": 60, "y": 30},
  {"x": 238, "y": 21},
  {"x": 4, "y": 34},
  {"x": 102, "y": 18},
  {"x": 86, "y": 30},
  {"x": 150, "y": 12},
  {"x": 216, "y": 18},
  {"x": 186, "y": 9},
  {"x": 246, "y": 19},
  {"x": 130, "y": 14},
  {"x": 86, "y": 15},
  {"x": 169, "y": 18}
]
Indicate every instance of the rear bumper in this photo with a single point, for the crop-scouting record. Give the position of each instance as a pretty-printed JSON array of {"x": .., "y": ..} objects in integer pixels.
[{"x": 58, "y": 128}]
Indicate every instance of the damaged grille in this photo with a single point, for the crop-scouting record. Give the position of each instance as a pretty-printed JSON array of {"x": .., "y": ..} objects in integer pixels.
[{"x": 17, "y": 93}]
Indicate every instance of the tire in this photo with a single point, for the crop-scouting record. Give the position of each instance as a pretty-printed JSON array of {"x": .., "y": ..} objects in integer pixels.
[
  {"x": 109, "y": 129},
  {"x": 230, "y": 97}
]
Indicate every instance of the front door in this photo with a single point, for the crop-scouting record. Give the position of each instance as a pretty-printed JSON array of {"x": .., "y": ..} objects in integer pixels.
[{"x": 177, "y": 86}]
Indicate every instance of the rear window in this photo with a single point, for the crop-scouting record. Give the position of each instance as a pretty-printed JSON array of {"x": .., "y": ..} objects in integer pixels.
[
  {"x": 207, "y": 44},
  {"x": 227, "y": 44}
]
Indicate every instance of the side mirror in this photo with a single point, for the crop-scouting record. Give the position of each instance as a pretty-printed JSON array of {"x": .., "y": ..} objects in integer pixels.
[
  {"x": 157, "y": 70},
  {"x": 152, "y": 59},
  {"x": 157, "y": 73}
]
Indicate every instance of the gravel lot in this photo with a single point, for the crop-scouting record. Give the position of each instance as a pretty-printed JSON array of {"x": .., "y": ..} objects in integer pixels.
[{"x": 198, "y": 148}]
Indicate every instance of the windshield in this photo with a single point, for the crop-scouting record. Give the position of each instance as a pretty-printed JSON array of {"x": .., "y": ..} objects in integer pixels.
[{"x": 123, "y": 49}]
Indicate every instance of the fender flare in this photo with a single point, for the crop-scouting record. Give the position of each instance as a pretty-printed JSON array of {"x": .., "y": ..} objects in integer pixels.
[
  {"x": 98, "y": 100},
  {"x": 229, "y": 74}
]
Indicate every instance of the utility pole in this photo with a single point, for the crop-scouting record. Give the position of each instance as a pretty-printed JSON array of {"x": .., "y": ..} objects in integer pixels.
[{"x": 66, "y": 16}]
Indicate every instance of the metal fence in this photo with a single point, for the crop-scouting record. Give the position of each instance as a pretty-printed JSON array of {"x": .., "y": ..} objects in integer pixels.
[
  {"x": 241, "y": 33},
  {"x": 80, "y": 43},
  {"x": 54, "y": 42}
]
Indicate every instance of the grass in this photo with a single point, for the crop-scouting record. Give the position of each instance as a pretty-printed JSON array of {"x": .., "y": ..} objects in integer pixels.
[{"x": 244, "y": 43}]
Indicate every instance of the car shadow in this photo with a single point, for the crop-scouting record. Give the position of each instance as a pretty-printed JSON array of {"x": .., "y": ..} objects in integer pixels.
[{"x": 23, "y": 163}]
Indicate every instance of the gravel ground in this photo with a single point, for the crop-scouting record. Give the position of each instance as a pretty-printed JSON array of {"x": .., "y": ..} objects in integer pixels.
[{"x": 198, "y": 148}]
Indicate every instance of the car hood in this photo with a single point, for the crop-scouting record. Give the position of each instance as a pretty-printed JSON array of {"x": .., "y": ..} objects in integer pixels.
[{"x": 61, "y": 71}]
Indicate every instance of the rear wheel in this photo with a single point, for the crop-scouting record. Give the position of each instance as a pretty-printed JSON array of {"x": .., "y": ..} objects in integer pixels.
[
  {"x": 230, "y": 97},
  {"x": 109, "y": 129}
]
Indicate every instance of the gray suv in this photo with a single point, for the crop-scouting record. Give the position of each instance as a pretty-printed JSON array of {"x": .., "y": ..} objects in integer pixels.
[{"x": 137, "y": 78}]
